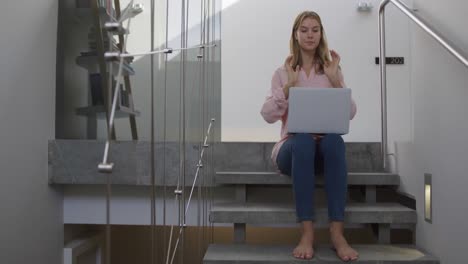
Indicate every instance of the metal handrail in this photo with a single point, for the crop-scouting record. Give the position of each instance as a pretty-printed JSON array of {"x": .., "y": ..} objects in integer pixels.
[{"x": 456, "y": 52}]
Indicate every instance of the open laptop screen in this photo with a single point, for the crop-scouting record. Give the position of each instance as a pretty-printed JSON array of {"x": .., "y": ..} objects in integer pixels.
[{"x": 319, "y": 110}]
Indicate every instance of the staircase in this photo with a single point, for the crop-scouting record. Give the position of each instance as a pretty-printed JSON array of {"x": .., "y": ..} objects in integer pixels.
[
  {"x": 366, "y": 208},
  {"x": 262, "y": 197}
]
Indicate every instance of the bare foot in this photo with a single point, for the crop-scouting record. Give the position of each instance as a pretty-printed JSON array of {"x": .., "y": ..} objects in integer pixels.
[
  {"x": 343, "y": 250},
  {"x": 304, "y": 249}
]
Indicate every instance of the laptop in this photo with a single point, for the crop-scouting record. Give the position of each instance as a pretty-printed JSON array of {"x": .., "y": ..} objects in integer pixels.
[{"x": 319, "y": 110}]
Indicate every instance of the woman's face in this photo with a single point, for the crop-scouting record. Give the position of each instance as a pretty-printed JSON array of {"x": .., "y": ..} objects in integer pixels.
[{"x": 308, "y": 34}]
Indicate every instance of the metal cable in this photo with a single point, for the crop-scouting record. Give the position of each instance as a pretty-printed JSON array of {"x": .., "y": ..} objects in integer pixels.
[
  {"x": 111, "y": 124},
  {"x": 182, "y": 145},
  {"x": 185, "y": 11},
  {"x": 165, "y": 136},
  {"x": 152, "y": 149},
  {"x": 212, "y": 62},
  {"x": 108, "y": 178},
  {"x": 166, "y": 50},
  {"x": 199, "y": 165},
  {"x": 203, "y": 81},
  {"x": 200, "y": 219},
  {"x": 182, "y": 122}
]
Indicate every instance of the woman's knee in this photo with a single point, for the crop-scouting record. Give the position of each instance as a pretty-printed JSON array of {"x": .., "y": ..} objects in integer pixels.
[
  {"x": 333, "y": 142},
  {"x": 301, "y": 139},
  {"x": 303, "y": 143}
]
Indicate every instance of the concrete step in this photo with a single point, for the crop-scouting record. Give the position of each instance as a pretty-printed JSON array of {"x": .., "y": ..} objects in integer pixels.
[
  {"x": 274, "y": 178},
  {"x": 279, "y": 254},
  {"x": 76, "y": 161},
  {"x": 269, "y": 213},
  {"x": 255, "y": 156}
]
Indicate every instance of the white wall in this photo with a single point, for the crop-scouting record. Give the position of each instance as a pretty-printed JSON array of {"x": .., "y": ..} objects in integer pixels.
[
  {"x": 256, "y": 42},
  {"x": 439, "y": 145},
  {"x": 31, "y": 229},
  {"x": 132, "y": 206}
]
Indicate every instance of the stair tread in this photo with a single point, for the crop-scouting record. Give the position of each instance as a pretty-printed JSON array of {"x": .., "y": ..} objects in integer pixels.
[
  {"x": 261, "y": 212},
  {"x": 354, "y": 178},
  {"x": 244, "y": 253},
  {"x": 265, "y": 206}
]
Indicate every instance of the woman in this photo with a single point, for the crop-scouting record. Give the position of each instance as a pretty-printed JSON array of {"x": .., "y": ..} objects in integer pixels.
[{"x": 295, "y": 155}]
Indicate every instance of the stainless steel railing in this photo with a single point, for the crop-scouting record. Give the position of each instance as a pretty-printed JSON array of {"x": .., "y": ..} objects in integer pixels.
[{"x": 383, "y": 70}]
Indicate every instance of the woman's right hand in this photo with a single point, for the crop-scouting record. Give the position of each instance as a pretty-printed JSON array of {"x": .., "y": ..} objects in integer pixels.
[{"x": 293, "y": 75}]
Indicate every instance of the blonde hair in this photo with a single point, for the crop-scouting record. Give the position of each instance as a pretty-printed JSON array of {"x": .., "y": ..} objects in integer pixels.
[{"x": 321, "y": 54}]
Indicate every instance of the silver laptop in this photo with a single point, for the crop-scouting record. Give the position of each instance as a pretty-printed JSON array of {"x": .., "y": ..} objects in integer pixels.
[{"x": 319, "y": 110}]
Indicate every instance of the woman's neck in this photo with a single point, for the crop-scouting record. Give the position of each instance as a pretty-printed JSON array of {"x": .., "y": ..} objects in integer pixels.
[{"x": 307, "y": 59}]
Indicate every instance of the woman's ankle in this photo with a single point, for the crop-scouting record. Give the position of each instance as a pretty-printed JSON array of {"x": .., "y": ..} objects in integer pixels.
[
  {"x": 337, "y": 228},
  {"x": 307, "y": 229}
]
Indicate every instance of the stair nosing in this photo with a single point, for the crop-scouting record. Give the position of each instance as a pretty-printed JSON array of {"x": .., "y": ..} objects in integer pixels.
[
  {"x": 276, "y": 213},
  {"x": 275, "y": 178},
  {"x": 240, "y": 253}
]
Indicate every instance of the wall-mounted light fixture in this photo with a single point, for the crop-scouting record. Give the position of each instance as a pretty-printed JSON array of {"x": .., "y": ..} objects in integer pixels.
[
  {"x": 428, "y": 197},
  {"x": 364, "y": 6}
]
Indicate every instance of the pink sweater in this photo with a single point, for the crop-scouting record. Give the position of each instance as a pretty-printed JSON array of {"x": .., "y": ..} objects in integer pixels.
[{"x": 276, "y": 105}]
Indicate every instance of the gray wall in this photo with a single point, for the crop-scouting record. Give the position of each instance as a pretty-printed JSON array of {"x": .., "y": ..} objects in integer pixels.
[
  {"x": 439, "y": 144},
  {"x": 31, "y": 212}
]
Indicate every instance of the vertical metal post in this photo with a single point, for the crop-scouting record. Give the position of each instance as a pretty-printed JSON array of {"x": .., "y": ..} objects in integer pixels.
[
  {"x": 383, "y": 85},
  {"x": 210, "y": 63},
  {"x": 152, "y": 149},
  {"x": 165, "y": 244},
  {"x": 107, "y": 102},
  {"x": 201, "y": 200},
  {"x": 182, "y": 138}
]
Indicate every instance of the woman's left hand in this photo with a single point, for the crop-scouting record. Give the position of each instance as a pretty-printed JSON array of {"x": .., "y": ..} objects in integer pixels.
[{"x": 331, "y": 68}]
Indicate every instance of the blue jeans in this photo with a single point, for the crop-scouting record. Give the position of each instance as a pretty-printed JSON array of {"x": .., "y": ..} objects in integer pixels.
[{"x": 301, "y": 157}]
